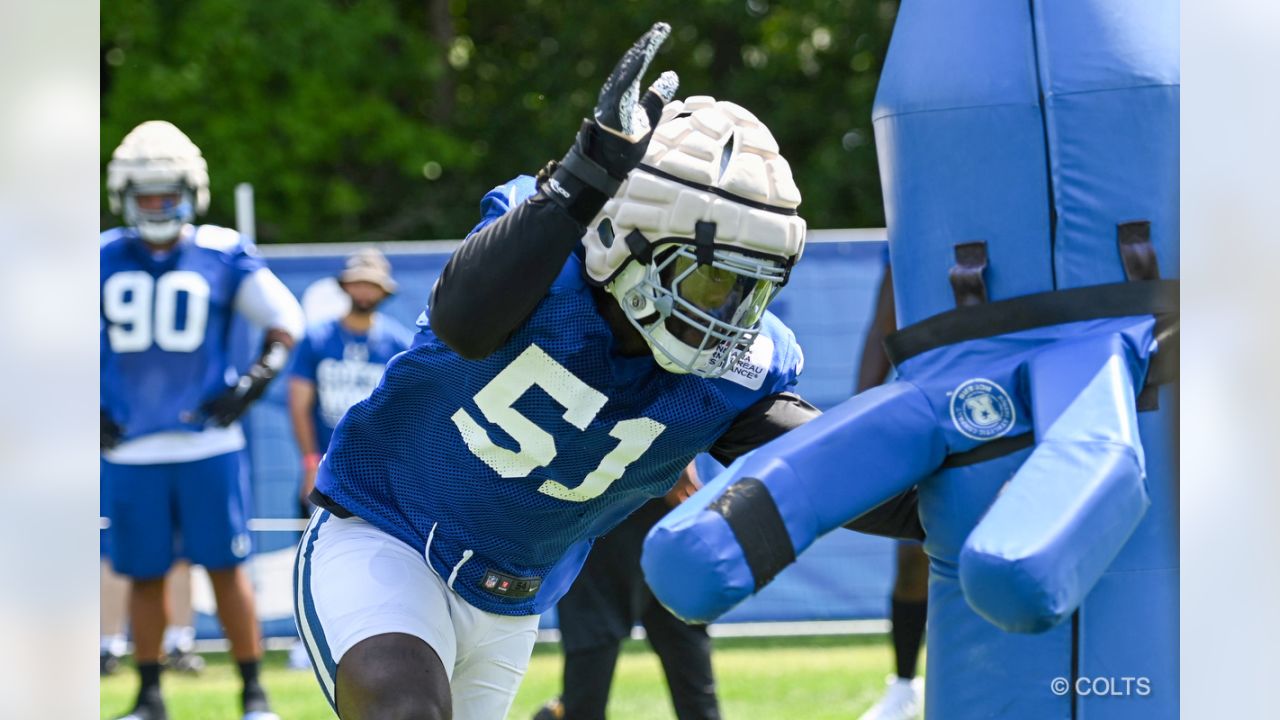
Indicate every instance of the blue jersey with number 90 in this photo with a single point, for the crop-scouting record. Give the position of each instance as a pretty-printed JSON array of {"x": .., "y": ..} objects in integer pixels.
[
  {"x": 165, "y": 324},
  {"x": 508, "y": 467}
]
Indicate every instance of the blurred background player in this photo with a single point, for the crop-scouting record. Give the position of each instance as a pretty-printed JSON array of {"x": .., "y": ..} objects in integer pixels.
[
  {"x": 605, "y": 601},
  {"x": 177, "y": 648},
  {"x": 337, "y": 364},
  {"x": 172, "y": 449},
  {"x": 909, "y": 606},
  {"x": 113, "y": 604}
]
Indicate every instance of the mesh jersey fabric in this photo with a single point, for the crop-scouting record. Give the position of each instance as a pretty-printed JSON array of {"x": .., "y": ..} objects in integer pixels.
[
  {"x": 399, "y": 459},
  {"x": 157, "y": 364}
]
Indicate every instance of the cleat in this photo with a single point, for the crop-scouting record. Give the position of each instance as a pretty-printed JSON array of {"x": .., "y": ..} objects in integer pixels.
[
  {"x": 553, "y": 710},
  {"x": 108, "y": 663},
  {"x": 903, "y": 700},
  {"x": 256, "y": 706},
  {"x": 184, "y": 661}
]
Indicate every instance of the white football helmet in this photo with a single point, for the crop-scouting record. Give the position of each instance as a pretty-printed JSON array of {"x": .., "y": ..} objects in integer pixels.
[
  {"x": 700, "y": 237},
  {"x": 156, "y": 158}
]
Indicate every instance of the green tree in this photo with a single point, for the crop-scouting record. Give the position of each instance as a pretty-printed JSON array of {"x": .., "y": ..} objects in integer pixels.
[{"x": 388, "y": 119}]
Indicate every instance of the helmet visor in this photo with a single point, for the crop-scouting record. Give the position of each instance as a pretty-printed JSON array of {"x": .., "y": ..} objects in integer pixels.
[
  {"x": 159, "y": 203},
  {"x": 729, "y": 294}
]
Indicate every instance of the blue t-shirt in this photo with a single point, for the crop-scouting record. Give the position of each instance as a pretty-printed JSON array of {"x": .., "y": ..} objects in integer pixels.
[
  {"x": 344, "y": 366},
  {"x": 511, "y": 465},
  {"x": 165, "y": 321}
]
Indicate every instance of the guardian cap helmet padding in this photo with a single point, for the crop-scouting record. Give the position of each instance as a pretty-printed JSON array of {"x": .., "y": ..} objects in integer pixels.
[
  {"x": 700, "y": 237},
  {"x": 156, "y": 158}
]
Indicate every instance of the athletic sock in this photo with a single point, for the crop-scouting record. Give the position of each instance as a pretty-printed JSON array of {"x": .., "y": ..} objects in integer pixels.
[
  {"x": 909, "y": 619},
  {"x": 253, "y": 698},
  {"x": 149, "y": 674},
  {"x": 150, "y": 703}
]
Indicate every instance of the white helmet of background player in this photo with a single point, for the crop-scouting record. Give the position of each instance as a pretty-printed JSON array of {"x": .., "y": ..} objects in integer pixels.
[
  {"x": 700, "y": 237},
  {"x": 156, "y": 158}
]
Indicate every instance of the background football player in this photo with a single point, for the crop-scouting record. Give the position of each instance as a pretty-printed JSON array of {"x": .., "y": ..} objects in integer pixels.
[
  {"x": 597, "y": 330},
  {"x": 606, "y": 600},
  {"x": 338, "y": 363},
  {"x": 903, "y": 698},
  {"x": 171, "y": 446}
]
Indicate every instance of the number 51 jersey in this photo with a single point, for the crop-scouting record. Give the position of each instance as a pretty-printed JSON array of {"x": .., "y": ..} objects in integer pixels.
[
  {"x": 165, "y": 324},
  {"x": 502, "y": 470}
]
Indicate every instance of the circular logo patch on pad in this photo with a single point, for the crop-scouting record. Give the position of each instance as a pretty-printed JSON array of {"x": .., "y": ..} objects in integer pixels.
[{"x": 981, "y": 409}]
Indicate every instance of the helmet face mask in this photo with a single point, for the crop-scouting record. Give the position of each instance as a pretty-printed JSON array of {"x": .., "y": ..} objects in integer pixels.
[
  {"x": 158, "y": 212},
  {"x": 699, "y": 318}
]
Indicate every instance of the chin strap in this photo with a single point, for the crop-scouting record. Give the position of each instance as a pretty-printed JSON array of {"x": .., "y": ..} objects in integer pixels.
[{"x": 638, "y": 245}]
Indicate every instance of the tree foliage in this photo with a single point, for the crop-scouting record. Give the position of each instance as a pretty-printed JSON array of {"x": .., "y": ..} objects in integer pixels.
[{"x": 388, "y": 119}]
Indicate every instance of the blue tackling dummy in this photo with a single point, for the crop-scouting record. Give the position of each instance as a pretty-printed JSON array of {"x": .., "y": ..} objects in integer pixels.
[{"x": 1030, "y": 162}]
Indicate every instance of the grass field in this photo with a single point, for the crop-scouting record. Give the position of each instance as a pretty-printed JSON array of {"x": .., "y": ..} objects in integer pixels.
[{"x": 815, "y": 678}]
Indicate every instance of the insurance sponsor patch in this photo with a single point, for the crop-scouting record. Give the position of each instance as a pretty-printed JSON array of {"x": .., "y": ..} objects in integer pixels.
[{"x": 750, "y": 370}]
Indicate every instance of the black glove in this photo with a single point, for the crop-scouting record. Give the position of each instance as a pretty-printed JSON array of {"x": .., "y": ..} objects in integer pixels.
[
  {"x": 112, "y": 433},
  {"x": 613, "y": 142},
  {"x": 230, "y": 404}
]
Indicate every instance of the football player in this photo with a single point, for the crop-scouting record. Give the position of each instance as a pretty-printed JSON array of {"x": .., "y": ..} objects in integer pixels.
[
  {"x": 600, "y": 327},
  {"x": 171, "y": 445}
]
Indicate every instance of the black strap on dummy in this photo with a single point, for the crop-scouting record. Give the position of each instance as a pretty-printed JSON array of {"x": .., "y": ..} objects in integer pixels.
[
  {"x": 1140, "y": 263},
  {"x": 1145, "y": 297},
  {"x": 753, "y": 517},
  {"x": 967, "y": 282},
  {"x": 1136, "y": 252},
  {"x": 991, "y": 450}
]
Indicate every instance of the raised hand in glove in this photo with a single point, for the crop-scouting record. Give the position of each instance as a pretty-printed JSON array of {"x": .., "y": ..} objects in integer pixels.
[
  {"x": 226, "y": 407},
  {"x": 613, "y": 142},
  {"x": 111, "y": 432}
]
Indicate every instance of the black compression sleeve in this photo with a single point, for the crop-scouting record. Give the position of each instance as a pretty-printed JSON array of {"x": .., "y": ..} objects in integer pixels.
[
  {"x": 767, "y": 419},
  {"x": 500, "y": 274},
  {"x": 760, "y": 423}
]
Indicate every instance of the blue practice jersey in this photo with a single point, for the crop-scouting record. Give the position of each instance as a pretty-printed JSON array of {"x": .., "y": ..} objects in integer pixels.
[
  {"x": 344, "y": 366},
  {"x": 503, "y": 470},
  {"x": 165, "y": 323}
]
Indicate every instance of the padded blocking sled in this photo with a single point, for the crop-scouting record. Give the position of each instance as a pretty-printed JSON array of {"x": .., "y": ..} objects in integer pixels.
[{"x": 1029, "y": 156}]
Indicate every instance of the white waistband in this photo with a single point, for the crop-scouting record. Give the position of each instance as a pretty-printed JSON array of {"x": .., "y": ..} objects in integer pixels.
[{"x": 172, "y": 447}]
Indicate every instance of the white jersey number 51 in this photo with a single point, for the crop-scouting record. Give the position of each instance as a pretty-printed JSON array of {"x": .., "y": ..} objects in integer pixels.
[{"x": 537, "y": 448}]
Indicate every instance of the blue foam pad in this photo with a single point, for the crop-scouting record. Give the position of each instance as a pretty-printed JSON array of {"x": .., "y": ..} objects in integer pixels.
[{"x": 839, "y": 466}]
